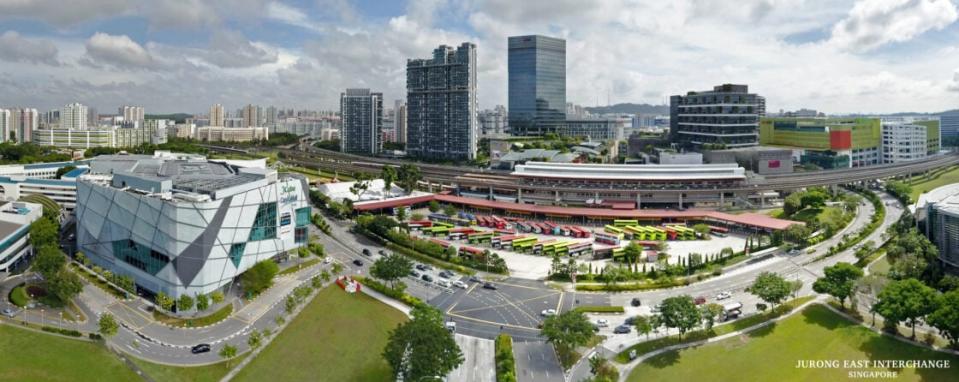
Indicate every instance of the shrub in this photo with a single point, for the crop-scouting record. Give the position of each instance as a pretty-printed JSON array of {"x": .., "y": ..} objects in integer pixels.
[
  {"x": 505, "y": 364},
  {"x": 66, "y": 332},
  {"x": 599, "y": 309},
  {"x": 19, "y": 296}
]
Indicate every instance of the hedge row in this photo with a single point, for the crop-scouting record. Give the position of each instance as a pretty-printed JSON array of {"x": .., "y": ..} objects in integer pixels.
[
  {"x": 599, "y": 309},
  {"x": 395, "y": 294},
  {"x": 66, "y": 332},
  {"x": 505, "y": 364},
  {"x": 624, "y": 287}
]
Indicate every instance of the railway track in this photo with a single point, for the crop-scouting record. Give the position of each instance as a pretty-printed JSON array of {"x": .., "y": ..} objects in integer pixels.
[{"x": 468, "y": 176}]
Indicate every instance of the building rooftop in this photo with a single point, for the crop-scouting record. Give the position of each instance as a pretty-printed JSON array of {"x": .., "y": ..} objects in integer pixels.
[
  {"x": 629, "y": 172},
  {"x": 946, "y": 199}
]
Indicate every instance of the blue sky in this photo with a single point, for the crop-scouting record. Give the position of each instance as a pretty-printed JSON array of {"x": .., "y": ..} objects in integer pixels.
[{"x": 183, "y": 55}]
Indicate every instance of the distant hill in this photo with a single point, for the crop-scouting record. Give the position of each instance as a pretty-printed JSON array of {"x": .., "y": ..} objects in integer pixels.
[
  {"x": 177, "y": 117},
  {"x": 630, "y": 108}
]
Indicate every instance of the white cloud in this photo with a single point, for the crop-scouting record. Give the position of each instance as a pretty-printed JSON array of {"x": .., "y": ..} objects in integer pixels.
[
  {"x": 291, "y": 15},
  {"x": 230, "y": 49},
  {"x": 16, "y": 48},
  {"x": 119, "y": 51},
  {"x": 872, "y": 24},
  {"x": 62, "y": 14}
]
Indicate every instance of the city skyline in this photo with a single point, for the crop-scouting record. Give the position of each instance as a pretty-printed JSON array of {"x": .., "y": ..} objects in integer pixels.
[{"x": 897, "y": 56}]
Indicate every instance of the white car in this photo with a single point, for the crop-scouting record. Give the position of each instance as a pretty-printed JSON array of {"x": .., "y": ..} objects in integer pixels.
[
  {"x": 548, "y": 312},
  {"x": 459, "y": 284},
  {"x": 443, "y": 283},
  {"x": 602, "y": 323},
  {"x": 723, "y": 295},
  {"x": 327, "y": 260}
]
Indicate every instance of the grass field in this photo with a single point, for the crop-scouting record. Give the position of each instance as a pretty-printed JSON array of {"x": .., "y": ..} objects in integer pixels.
[
  {"x": 29, "y": 356},
  {"x": 771, "y": 354},
  {"x": 210, "y": 373},
  {"x": 337, "y": 337},
  {"x": 880, "y": 267},
  {"x": 937, "y": 180}
]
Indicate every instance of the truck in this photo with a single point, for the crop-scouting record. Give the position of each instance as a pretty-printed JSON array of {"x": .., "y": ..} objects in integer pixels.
[{"x": 732, "y": 311}]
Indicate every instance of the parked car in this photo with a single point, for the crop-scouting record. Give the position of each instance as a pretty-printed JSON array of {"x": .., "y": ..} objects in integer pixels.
[
  {"x": 723, "y": 295},
  {"x": 636, "y": 302},
  {"x": 366, "y": 252},
  {"x": 10, "y": 312},
  {"x": 443, "y": 283},
  {"x": 459, "y": 284},
  {"x": 421, "y": 267},
  {"x": 630, "y": 320},
  {"x": 358, "y": 262},
  {"x": 548, "y": 312},
  {"x": 201, "y": 348},
  {"x": 451, "y": 326},
  {"x": 623, "y": 329},
  {"x": 415, "y": 274},
  {"x": 474, "y": 279},
  {"x": 444, "y": 275},
  {"x": 602, "y": 323},
  {"x": 427, "y": 278},
  {"x": 700, "y": 300},
  {"x": 489, "y": 286}
]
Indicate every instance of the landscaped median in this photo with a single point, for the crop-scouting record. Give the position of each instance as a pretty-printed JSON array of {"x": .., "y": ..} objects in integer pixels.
[
  {"x": 699, "y": 335},
  {"x": 505, "y": 364},
  {"x": 192, "y": 322},
  {"x": 599, "y": 309},
  {"x": 396, "y": 294},
  {"x": 299, "y": 267}
]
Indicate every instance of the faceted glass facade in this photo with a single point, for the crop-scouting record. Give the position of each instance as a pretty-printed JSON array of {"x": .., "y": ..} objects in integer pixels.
[
  {"x": 537, "y": 84},
  {"x": 441, "y": 104},
  {"x": 264, "y": 225}
]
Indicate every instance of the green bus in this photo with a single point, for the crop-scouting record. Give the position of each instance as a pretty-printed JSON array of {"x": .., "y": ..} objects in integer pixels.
[{"x": 623, "y": 223}]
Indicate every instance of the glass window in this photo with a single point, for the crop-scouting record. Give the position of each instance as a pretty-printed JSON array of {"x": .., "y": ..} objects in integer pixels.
[
  {"x": 303, "y": 216},
  {"x": 140, "y": 256},
  {"x": 236, "y": 253},
  {"x": 301, "y": 235},
  {"x": 264, "y": 225}
]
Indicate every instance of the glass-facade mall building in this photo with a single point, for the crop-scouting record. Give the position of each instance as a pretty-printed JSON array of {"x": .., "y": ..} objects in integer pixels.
[{"x": 181, "y": 224}]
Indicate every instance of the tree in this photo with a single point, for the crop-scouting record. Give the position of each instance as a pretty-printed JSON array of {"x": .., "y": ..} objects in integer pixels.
[
  {"x": 227, "y": 353},
  {"x": 422, "y": 347},
  {"x": 202, "y": 302},
  {"x": 710, "y": 312},
  {"x": 255, "y": 339},
  {"x": 108, "y": 325},
  {"x": 409, "y": 176},
  {"x": 948, "y": 283},
  {"x": 632, "y": 252},
  {"x": 643, "y": 325},
  {"x": 906, "y": 300},
  {"x": 946, "y": 317},
  {"x": 797, "y": 233},
  {"x": 49, "y": 261},
  {"x": 567, "y": 330},
  {"x": 597, "y": 363},
  {"x": 185, "y": 303},
  {"x": 216, "y": 297},
  {"x": 259, "y": 277},
  {"x": 64, "y": 170},
  {"x": 434, "y": 206},
  {"x": 164, "y": 301},
  {"x": 126, "y": 282},
  {"x": 360, "y": 185},
  {"x": 449, "y": 210},
  {"x": 389, "y": 176},
  {"x": 391, "y": 268},
  {"x": 771, "y": 288},
  {"x": 702, "y": 230},
  {"x": 43, "y": 232},
  {"x": 679, "y": 312},
  {"x": 838, "y": 281},
  {"x": 65, "y": 285},
  {"x": 401, "y": 213},
  {"x": 792, "y": 204}
]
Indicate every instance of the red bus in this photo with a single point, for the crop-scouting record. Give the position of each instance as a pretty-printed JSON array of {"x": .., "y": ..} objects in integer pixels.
[
  {"x": 473, "y": 253},
  {"x": 441, "y": 243}
]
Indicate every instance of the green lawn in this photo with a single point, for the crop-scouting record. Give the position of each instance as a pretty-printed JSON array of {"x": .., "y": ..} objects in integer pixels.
[
  {"x": 337, "y": 337},
  {"x": 210, "y": 373},
  {"x": 771, "y": 354},
  {"x": 937, "y": 180},
  {"x": 29, "y": 356},
  {"x": 880, "y": 267}
]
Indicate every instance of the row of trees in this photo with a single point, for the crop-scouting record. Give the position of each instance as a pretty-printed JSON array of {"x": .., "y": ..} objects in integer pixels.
[{"x": 60, "y": 283}]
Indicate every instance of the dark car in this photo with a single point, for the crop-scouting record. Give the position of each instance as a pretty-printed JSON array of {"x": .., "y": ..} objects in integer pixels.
[
  {"x": 358, "y": 262},
  {"x": 630, "y": 320},
  {"x": 474, "y": 279},
  {"x": 636, "y": 302},
  {"x": 622, "y": 329},
  {"x": 201, "y": 348},
  {"x": 366, "y": 252},
  {"x": 382, "y": 252},
  {"x": 700, "y": 300},
  {"x": 415, "y": 274},
  {"x": 421, "y": 267},
  {"x": 445, "y": 274},
  {"x": 428, "y": 278},
  {"x": 489, "y": 286}
]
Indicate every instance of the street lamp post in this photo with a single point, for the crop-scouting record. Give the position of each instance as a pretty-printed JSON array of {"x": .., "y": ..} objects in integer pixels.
[{"x": 41, "y": 317}]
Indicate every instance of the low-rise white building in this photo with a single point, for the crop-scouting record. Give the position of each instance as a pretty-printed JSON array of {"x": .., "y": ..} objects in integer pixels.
[{"x": 15, "y": 220}]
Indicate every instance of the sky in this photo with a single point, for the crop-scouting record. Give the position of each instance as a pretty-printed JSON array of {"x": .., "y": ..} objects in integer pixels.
[{"x": 836, "y": 56}]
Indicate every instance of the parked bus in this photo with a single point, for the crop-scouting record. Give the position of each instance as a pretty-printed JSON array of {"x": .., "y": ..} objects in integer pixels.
[
  {"x": 623, "y": 223},
  {"x": 613, "y": 230},
  {"x": 472, "y": 253},
  {"x": 441, "y": 243},
  {"x": 607, "y": 238},
  {"x": 524, "y": 244},
  {"x": 418, "y": 225},
  {"x": 538, "y": 247},
  {"x": 480, "y": 237},
  {"x": 580, "y": 248}
]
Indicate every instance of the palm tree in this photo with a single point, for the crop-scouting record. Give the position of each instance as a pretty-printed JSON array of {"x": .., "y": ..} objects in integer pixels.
[{"x": 227, "y": 353}]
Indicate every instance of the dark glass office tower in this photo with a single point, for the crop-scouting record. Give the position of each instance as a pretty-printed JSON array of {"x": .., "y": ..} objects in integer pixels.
[{"x": 537, "y": 84}]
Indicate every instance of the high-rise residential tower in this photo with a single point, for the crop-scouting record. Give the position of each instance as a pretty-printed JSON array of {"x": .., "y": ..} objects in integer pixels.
[
  {"x": 6, "y": 122},
  {"x": 217, "y": 115},
  {"x": 399, "y": 121},
  {"x": 441, "y": 104},
  {"x": 132, "y": 114},
  {"x": 73, "y": 117},
  {"x": 362, "y": 115},
  {"x": 250, "y": 116},
  {"x": 537, "y": 84},
  {"x": 24, "y": 122},
  {"x": 725, "y": 117}
]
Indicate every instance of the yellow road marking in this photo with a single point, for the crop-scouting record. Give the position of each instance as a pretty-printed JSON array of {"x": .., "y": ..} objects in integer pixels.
[
  {"x": 501, "y": 305},
  {"x": 493, "y": 323}
]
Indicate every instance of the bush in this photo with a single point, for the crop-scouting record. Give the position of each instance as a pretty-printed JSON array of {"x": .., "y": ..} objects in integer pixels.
[
  {"x": 505, "y": 364},
  {"x": 259, "y": 277},
  {"x": 396, "y": 294},
  {"x": 95, "y": 336},
  {"x": 19, "y": 296},
  {"x": 599, "y": 309},
  {"x": 66, "y": 332}
]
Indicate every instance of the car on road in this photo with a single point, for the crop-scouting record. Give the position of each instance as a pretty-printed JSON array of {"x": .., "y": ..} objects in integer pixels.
[
  {"x": 327, "y": 260},
  {"x": 421, "y": 267},
  {"x": 548, "y": 312},
  {"x": 723, "y": 295},
  {"x": 602, "y": 323},
  {"x": 623, "y": 329},
  {"x": 700, "y": 300},
  {"x": 635, "y": 302},
  {"x": 358, "y": 262},
  {"x": 489, "y": 286},
  {"x": 427, "y": 278},
  {"x": 451, "y": 326},
  {"x": 201, "y": 348},
  {"x": 443, "y": 283},
  {"x": 427, "y": 267},
  {"x": 10, "y": 312},
  {"x": 459, "y": 284},
  {"x": 366, "y": 252}
]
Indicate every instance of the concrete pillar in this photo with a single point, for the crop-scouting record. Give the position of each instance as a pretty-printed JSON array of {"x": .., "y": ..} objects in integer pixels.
[
  {"x": 722, "y": 199},
  {"x": 519, "y": 195},
  {"x": 596, "y": 196},
  {"x": 491, "y": 193},
  {"x": 556, "y": 196},
  {"x": 429, "y": 186},
  {"x": 639, "y": 198},
  {"x": 762, "y": 200},
  {"x": 680, "y": 200}
]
